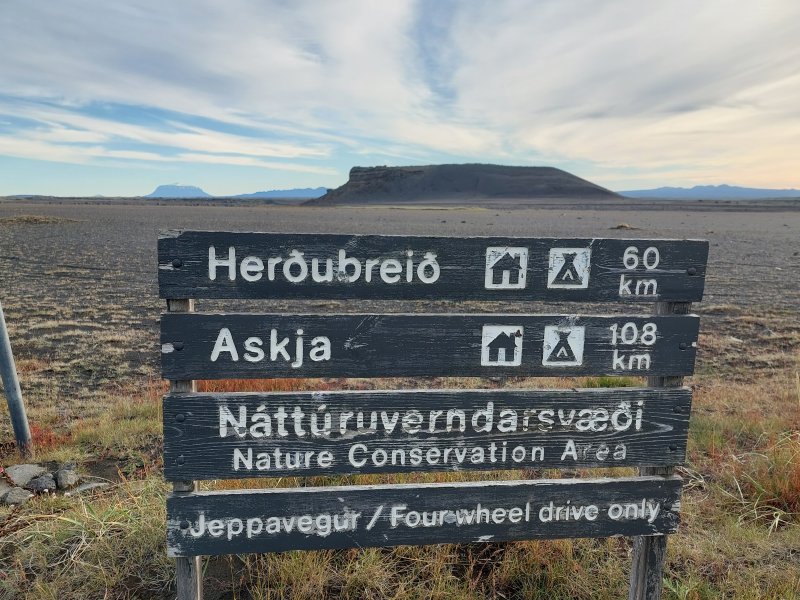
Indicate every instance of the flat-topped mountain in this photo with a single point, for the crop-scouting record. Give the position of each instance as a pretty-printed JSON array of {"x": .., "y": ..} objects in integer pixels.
[
  {"x": 464, "y": 184},
  {"x": 177, "y": 191}
]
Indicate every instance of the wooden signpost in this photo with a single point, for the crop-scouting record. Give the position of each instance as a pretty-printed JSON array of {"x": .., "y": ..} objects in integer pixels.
[
  {"x": 245, "y": 435},
  {"x": 212, "y": 346},
  {"x": 392, "y": 515},
  {"x": 228, "y": 436},
  {"x": 203, "y": 264}
]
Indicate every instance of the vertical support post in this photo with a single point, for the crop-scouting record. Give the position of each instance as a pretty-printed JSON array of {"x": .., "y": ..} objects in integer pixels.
[
  {"x": 16, "y": 407},
  {"x": 650, "y": 552},
  {"x": 188, "y": 569}
]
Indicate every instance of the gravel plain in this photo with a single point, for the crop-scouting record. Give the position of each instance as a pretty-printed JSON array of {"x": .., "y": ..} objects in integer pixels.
[{"x": 78, "y": 276}]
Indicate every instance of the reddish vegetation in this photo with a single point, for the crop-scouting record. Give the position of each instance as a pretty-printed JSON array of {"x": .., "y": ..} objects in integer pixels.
[
  {"x": 258, "y": 385},
  {"x": 45, "y": 438}
]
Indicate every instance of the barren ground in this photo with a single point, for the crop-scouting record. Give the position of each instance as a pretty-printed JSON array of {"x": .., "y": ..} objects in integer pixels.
[{"x": 80, "y": 291}]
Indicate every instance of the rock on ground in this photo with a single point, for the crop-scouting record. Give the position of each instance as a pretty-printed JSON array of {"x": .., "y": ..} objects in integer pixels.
[
  {"x": 66, "y": 478},
  {"x": 20, "y": 475},
  {"x": 87, "y": 487},
  {"x": 43, "y": 483},
  {"x": 4, "y": 489},
  {"x": 17, "y": 495}
]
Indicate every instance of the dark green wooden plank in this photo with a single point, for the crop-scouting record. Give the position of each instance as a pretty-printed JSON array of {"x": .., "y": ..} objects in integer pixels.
[
  {"x": 210, "y": 523},
  {"x": 382, "y": 345},
  {"x": 402, "y": 267},
  {"x": 227, "y": 436}
]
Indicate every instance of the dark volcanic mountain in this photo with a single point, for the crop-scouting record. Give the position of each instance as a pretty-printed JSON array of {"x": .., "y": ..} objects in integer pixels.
[{"x": 460, "y": 184}]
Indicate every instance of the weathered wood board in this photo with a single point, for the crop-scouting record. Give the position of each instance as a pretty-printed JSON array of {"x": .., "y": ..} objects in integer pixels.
[
  {"x": 225, "y": 436},
  {"x": 219, "y": 346},
  {"x": 201, "y": 264},
  {"x": 237, "y": 522}
]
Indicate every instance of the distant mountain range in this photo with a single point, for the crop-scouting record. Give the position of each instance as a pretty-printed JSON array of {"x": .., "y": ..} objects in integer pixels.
[
  {"x": 712, "y": 192},
  {"x": 191, "y": 191},
  {"x": 440, "y": 182},
  {"x": 467, "y": 182},
  {"x": 293, "y": 193}
]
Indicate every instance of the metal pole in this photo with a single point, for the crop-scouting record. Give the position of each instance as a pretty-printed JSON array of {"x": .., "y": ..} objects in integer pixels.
[{"x": 8, "y": 372}]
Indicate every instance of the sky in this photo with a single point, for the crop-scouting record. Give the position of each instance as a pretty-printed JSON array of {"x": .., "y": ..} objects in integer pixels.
[{"x": 115, "y": 98}]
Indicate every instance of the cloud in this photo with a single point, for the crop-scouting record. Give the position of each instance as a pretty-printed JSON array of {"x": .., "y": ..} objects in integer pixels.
[
  {"x": 21, "y": 146},
  {"x": 706, "y": 92}
]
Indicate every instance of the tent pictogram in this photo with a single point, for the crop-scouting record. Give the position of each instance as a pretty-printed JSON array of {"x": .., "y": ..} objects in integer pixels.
[
  {"x": 569, "y": 268},
  {"x": 568, "y": 272},
  {"x": 563, "y": 351},
  {"x": 563, "y": 345}
]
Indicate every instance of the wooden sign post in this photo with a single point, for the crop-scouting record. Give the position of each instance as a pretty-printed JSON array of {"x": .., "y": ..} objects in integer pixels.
[
  {"x": 230, "y": 436},
  {"x": 189, "y": 577},
  {"x": 245, "y": 435},
  {"x": 203, "y": 264},
  {"x": 393, "y": 515},
  {"x": 650, "y": 553}
]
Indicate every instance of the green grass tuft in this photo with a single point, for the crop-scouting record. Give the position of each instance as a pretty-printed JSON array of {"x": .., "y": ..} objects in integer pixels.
[{"x": 610, "y": 382}]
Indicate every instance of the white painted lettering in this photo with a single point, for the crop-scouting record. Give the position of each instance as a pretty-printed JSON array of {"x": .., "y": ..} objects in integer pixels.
[
  {"x": 214, "y": 262},
  {"x": 251, "y": 268},
  {"x": 224, "y": 343}
]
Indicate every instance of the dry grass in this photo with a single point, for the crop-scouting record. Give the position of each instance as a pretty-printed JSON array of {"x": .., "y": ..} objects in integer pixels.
[
  {"x": 106, "y": 545},
  {"x": 740, "y": 531},
  {"x": 767, "y": 480},
  {"x": 34, "y": 220}
]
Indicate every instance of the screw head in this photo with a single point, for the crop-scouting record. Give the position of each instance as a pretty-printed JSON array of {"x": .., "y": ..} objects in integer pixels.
[
  {"x": 178, "y": 346},
  {"x": 673, "y": 448},
  {"x": 181, "y": 459},
  {"x": 180, "y": 417},
  {"x": 682, "y": 346},
  {"x": 184, "y": 525},
  {"x": 691, "y": 271},
  {"x": 177, "y": 263}
]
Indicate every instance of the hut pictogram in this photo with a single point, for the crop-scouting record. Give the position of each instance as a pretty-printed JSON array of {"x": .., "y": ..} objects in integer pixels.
[
  {"x": 501, "y": 345},
  {"x": 506, "y": 268}
]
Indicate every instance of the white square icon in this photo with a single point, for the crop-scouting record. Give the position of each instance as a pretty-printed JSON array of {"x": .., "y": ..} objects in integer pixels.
[
  {"x": 569, "y": 268},
  {"x": 501, "y": 345},
  {"x": 563, "y": 346},
  {"x": 506, "y": 268}
]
